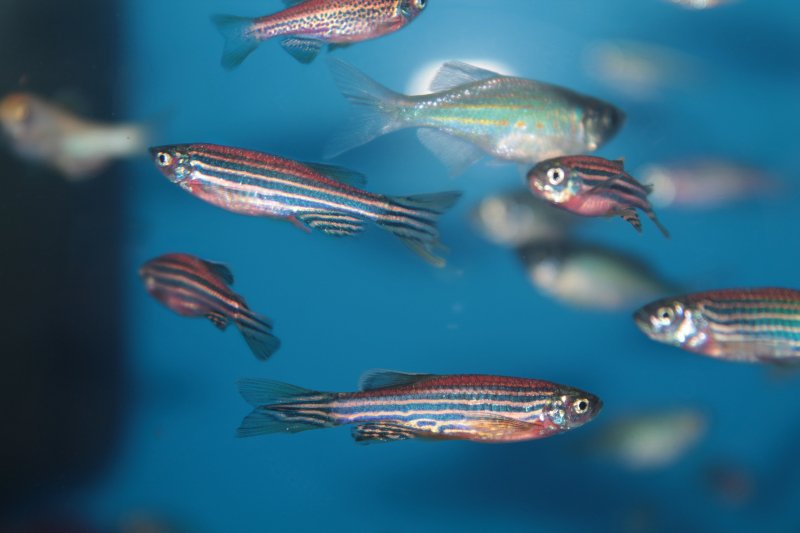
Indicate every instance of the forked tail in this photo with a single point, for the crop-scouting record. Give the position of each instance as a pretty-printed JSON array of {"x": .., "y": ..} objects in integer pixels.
[
  {"x": 414, "y": 219},
  {"x": 239, "y": 41},
  {"x": 282, "y": 408}
]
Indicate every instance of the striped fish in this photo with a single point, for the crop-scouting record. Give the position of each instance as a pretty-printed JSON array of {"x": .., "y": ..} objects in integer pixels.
[
  {"x": 305, "y": 26},
  {"x": 472, "y": 113},
  {"x": 395, "y": 406},
  {"x": 312, "y": 196},
  {"x": 592, "y": 186},
  {"x": 749, "y": 325},
  {"x": 196, "y": 288}
]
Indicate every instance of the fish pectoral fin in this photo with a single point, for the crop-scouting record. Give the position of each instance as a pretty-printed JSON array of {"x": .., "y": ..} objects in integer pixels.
[
  {"x": 378, "y": 432},
  {"x": 455, "y": 73},
  {"x": 497, "y": 427},
  {"x": 457, "y": 154},
  {"x": 381, "y": 379},
  {"x": 220, "y": 270},
  {"x": 336, "y": 224},
  {"x": 632, "y": 217},
  {"x": 219, "y": 320},
  {"x": 303, "y": 50},
  {"x": 340, "y": 174}
]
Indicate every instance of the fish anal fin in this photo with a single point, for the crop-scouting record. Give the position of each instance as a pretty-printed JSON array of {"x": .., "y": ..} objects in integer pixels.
[
  {"x": 632, "y": 217},
  {"x": 220, "y": 270},
  {"x": 336, "y": 224},
  {"x": 455, "y": 73},
  {"x": 379, "y": 432},
  {"x": 219, "y": 320},
  {"x": 340, "y": 174},
  {"x": 456, "y": 154},
  {"x": 303, "y": 50},
  {"x": 381, "y": 379}
]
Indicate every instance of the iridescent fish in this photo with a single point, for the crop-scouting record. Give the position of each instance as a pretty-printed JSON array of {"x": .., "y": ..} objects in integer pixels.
[
  {"x": 196, "y": 288},
  {"x": 394, "y": 406},
  {"x": 591, "y": 276},
  {"x": 44, "y": 132},
  {"x": 592, "y": 186},
  {"x": 751, "y": 325},
  {"x": 472, "y": 113},
  {"x": 312, "y": 196},
  {"x": 306, "y": 25}
]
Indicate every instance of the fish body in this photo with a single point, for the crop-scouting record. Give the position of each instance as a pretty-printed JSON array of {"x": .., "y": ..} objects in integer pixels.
[
  {"x": 396, "y": 406},
  {"x": 749, "y": 325},
  {"x": 43, "y": 132},
  {"x": 590, "y": 276},
  {"x": 193, "y": 287},
  {"x": 312, "y": 196},
  {"x": 594, "y": 187},
  {"x": 305, "y": 26},
  {"x": 474, "y": 112}
]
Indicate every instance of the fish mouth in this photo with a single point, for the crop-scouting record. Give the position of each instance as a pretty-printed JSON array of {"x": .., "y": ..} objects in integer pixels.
[{"x": 642, "y": 320}]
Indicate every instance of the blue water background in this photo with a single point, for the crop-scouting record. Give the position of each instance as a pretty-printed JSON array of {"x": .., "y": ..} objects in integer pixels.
[{"x": 342, "y": 306}]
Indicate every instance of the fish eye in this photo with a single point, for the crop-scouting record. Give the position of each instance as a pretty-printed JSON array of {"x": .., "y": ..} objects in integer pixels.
[
  {"x": 556, "y": 175},
  {"x": 665, "y": 315},
  {"x": 163, "y": 159},
  {"x": 581, "y": 406}
]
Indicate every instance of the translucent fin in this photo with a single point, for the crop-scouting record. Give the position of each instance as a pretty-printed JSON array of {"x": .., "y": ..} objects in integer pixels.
[
  {"x": 268, "y": 392},
  {"x": 652, "y": 216},
  {"x": 220, "y": 270},
  {"x": 219, "y": 320},
  {"x": 456, "y": 154},
  {"x": 303, "y": 50},
  {"x": 340, "y": 174},
  {"x": 262, "y": 421},
  {"x": 381, "y": 379},
  {"x": 632, "y": 217},
  {"x": 238, "y": 42},
  {"x": 335, "y": 224},
  {"x": 455, "y": 73},
  {"x": 378, "y": 109},
  {"x": 380, "y": 432},
  {"x": 257, "y": 332},
  {"x": 773, "y": 352}
]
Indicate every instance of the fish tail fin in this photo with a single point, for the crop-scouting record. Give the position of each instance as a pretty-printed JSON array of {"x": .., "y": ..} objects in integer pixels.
[
  {"x": 652, "y": 216},
  {"x": 283, "y": 408},
  {"x": 413, "y": 219},
  {"x": 257, "y": 332},
  {"x": 239, "y": 42},
  {"x": 380, "y": 109}
]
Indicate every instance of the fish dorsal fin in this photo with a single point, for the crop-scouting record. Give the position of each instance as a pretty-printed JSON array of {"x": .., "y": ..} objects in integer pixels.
[
  {"x": 381, "y": 379},
  {"x": 456, "y": 153},
  {"x": 218, "y": 319},
  {"x": 340, "y": 174},
  {"x": 220, "y": 270},
  {"x": 619, "y": 163},
  {"x": 455, "y": 73},
  {"x": 377, "y": 432}
]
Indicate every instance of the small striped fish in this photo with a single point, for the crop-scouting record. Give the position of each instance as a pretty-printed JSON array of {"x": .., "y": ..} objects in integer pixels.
[
  {"x": 594, "y": 187},
  {"x": 749, "y": 325},
  {"x": 305, "y": 26},
  {"x": 196, "y": 288},
  {"x": 395, "y": 406},
  {"x": 314, "y": 196}
]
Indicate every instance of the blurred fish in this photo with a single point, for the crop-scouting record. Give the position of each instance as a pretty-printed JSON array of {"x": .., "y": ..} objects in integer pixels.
[
  {"x": 636, "y": 69},
  {"x": 312, "y": 196},
  {"x": 43, "y": 132},
  {"x": 474, "y": 112},
  {"x": 750, "y": 325},
  {"x": 707, "y": 183},
  {"x": 590, "y": 276},
  {"x": 306, "y": 25},
  {"x": 700, "y": 4},
  {"x": 517, "y": 217},
  {"x": 732, "y": 484},
  {"x": 650, "y": 441},
  {"x": 196, "y": 288},
  {"x": 394, "y": 406},
  {"x": 592, "y": 186}
]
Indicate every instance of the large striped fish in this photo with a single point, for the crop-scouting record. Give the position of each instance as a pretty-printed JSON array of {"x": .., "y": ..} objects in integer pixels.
[
  {"x": 305, "y": 26},
  {"x": 592, "y": 186},
  {"x": 193, "y": 287},
  {"x": 749, "y": 325},
  {"x": 310, "y": 195},
  {"x": 396, "y": 406},
  {"x": 474, "y": 112}
]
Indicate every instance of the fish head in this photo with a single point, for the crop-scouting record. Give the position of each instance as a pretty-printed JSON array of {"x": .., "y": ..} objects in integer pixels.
[
  {"x": 148, "y": 275},
  {"x": 571, "y": 408},
  {"x": 555, "y": 180},
  {"x": 674, "y": 321},
  {"x": 601, "y": 122},
  {"x": 173, "y": 161},
  {"x": 18, "y": 116},
  {"x": 409, "y": 9}
]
